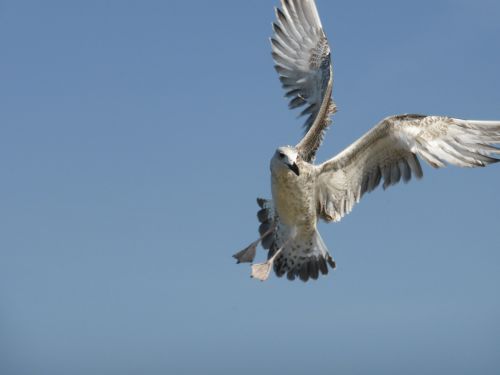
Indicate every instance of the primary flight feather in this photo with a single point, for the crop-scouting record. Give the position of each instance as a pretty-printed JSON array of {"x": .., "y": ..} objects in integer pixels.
[{"x": 303, "y": 192}]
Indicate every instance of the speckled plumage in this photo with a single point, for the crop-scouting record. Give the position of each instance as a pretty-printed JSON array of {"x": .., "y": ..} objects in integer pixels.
[{"x": 303, "y": 193}]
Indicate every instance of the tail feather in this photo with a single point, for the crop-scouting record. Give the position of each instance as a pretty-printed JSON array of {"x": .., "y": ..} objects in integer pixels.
[{"x": 304, "y": 258}]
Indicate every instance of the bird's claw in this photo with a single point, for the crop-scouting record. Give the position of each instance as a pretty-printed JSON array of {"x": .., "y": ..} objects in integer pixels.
[
  {"x": 247, "y": 255},
  {"x": 261, "y": 271}
]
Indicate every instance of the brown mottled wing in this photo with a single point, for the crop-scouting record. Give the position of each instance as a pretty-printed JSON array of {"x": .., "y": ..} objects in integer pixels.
[
  {"x": 302, "y": 55},
  {"x": 267, "y": 220},
  {"x": 389, "y": 152}
]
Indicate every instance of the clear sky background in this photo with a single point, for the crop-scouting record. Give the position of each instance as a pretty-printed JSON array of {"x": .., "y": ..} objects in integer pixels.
[{"x": 134, "y": 139}]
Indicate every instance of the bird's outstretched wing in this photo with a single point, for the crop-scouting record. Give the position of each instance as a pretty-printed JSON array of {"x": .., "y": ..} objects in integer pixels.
[
  {"x": 302, "y": 55},
  {"x": 389, "y": 152}
]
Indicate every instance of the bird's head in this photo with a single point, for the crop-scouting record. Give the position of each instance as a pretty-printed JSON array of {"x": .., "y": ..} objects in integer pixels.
[{"x": 285, "y": 159}]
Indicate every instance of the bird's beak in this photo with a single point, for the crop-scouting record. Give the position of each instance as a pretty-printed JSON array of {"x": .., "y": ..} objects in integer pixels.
[{"x": 295, "y": 169}]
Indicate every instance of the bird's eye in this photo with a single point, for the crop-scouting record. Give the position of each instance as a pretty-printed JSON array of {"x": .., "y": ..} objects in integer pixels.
[{"x": 282, "y": 155}]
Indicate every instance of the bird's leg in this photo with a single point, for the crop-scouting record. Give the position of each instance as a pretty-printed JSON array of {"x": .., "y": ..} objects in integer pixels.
[
  {"x": 261, "y": 271},
  {"x": 247, "y": 255}
]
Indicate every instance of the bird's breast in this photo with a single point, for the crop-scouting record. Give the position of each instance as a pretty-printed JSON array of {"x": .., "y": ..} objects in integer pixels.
[{"x": 293, "y": 198}]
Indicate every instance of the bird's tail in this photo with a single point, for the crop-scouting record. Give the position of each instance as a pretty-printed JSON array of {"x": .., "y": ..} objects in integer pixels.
[{"x": 303, "y": 257}]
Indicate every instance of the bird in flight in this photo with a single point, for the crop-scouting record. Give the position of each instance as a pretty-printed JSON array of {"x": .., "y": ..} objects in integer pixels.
[{"x": 304, "y": 192}]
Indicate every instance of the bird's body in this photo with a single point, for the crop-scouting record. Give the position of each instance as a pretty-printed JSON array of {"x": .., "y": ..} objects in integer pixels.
[
  {"x": 303, "y": 252},
  {"x": 293, "y": 195},
  {"x": 303, "y": 192}
]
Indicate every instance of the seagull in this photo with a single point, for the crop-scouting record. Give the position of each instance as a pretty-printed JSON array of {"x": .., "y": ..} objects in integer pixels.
[{"x": 303, "y": 192}]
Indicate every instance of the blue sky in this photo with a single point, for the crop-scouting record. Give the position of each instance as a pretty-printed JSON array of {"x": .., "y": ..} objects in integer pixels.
[{"x": 134, "y": 139}]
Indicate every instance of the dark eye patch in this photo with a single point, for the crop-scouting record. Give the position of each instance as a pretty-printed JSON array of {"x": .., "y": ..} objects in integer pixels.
[{"x": 282, "y": 155}]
